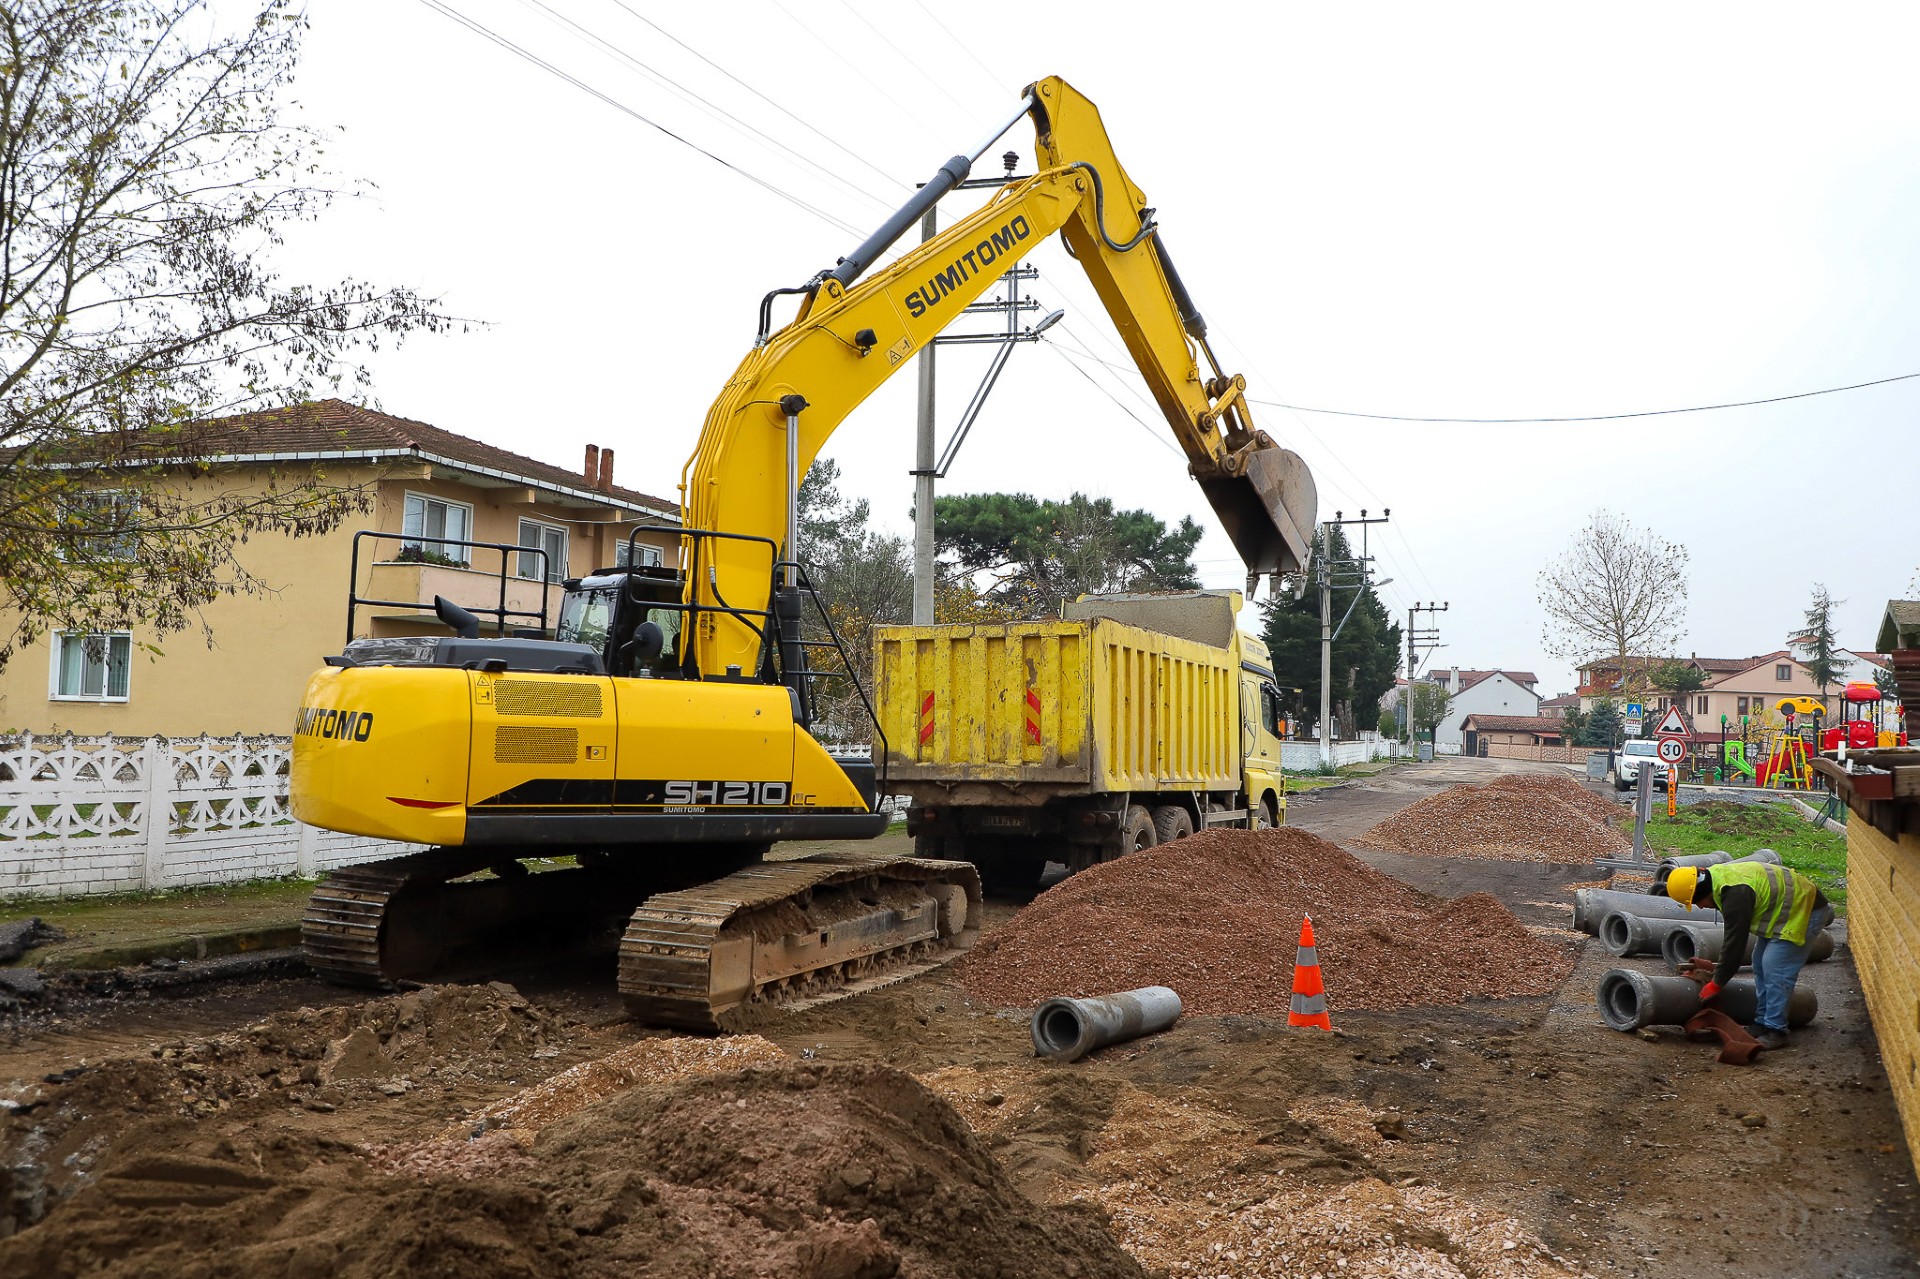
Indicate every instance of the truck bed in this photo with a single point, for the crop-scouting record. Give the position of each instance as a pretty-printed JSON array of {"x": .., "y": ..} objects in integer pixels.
[{"x": 1061, "y": 706}]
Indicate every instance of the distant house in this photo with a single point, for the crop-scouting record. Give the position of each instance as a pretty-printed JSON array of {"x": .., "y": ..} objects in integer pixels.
[
  {"x": 1484, "y": 693},
  {"x": 430, "y": 490},
  {"x": 1557, "y": 707},
  {"x": 1480, "y": 731},
  {"x": 1456, "y": 680}
]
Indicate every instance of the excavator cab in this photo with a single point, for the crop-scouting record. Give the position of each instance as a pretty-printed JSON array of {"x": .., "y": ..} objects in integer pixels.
[{"x": 631, "y": 615}]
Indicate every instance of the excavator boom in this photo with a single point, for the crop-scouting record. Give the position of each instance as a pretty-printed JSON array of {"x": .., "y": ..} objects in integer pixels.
[{"x": 852, "y": 334}]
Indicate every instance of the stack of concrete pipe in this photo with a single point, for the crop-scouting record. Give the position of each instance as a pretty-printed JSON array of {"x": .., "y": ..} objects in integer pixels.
[{"x": 1630, "y": 1000}]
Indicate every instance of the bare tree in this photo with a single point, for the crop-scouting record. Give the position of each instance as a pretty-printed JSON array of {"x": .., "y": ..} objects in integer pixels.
[
  {"x": 1616, "y": 592},
  {"x": 146, "y": 175}
]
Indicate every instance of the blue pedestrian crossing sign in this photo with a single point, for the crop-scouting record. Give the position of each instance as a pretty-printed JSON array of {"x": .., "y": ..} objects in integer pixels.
[{"x": 1636, "y": 710}]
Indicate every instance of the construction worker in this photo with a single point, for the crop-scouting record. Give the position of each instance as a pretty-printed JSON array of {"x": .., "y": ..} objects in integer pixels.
[{"x": 1779, "y": 908}]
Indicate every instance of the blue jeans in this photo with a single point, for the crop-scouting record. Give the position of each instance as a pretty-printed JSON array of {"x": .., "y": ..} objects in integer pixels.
[{"x": 1776, "y": 966}]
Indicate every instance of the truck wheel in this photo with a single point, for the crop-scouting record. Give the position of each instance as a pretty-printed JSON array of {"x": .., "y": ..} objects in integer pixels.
[
  {"x": 1171, "y": 822},
  {"x": 1266, "y": 814},
  {"x": 1139, "y": 832}
]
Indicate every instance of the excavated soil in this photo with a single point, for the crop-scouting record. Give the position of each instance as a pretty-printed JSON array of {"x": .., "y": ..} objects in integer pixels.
[
  {"x": 1531, "y": 817},
  {"x": 1217, "y": 918}
]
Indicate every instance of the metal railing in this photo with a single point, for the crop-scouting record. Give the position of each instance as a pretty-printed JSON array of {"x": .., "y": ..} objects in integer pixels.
[{"x": 500, "y": 613}]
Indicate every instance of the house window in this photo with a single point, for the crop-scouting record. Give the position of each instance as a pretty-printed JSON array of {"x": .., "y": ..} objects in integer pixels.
[
  {"x": 1701, "y": 706},
  {"x": 1783, "y": 672},
  {"x": 549, "y": 538},
  {"x": 91, "y": 667},
  {"x": 110, "y": 511},
  {"x": 1743, "y": 706},
  {"x": 435, "y": 529},
  {"x": 641, "y": 552}
]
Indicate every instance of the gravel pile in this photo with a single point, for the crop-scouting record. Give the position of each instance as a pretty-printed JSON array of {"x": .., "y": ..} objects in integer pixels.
[
  {"x": 1217, "y": 918},
  {"x": 649, "y": 1061},
  {"x": 1172, "y": 1181},
  {"x": 1531, "y": 817}
]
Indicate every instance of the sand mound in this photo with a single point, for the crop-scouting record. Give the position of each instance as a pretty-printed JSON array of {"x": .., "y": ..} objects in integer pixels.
[
  {"x": 1531, "y": 817},
  {"x": 1217, "y": 917}
]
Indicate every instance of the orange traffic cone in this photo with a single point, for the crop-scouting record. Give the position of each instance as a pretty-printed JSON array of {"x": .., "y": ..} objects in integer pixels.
[{"x": 1309, "y": 1004}]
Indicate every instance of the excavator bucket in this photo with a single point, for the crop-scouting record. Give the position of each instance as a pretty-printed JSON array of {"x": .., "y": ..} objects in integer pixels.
[{"x": 1268, "y": 511}]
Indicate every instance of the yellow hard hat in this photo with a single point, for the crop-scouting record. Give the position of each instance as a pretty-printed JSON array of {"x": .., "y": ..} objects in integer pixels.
[{"x": 1681, "y": 882}]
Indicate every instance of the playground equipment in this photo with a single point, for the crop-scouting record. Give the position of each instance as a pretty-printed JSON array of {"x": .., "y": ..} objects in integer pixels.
[
  {"x": 1859, "y": 727},
  {"x": 1735, "y": 756},
  {"x": 1784, "y": 760}
]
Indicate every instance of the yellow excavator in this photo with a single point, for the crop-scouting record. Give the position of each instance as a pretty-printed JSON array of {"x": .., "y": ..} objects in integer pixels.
[{"x": 660, "y": 737}]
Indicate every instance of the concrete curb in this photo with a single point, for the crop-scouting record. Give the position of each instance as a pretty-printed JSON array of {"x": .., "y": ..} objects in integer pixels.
[
  {"x": 184, "y": 948},
  {"x": 1809, "y": 812}
]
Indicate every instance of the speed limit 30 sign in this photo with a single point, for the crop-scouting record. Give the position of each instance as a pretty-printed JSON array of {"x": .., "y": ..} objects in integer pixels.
[{"x": 1671, "y": 749}]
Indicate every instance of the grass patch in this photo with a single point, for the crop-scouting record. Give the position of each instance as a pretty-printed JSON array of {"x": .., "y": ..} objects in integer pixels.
[{"x": 1740, "y": 828}]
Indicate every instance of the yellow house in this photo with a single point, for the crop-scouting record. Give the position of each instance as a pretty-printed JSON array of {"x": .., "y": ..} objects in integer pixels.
[{"x": 431, "y": 492}]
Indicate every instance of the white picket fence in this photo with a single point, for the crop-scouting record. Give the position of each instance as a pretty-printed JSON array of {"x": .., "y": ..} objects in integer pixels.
[{"x": 88, "y": 815}]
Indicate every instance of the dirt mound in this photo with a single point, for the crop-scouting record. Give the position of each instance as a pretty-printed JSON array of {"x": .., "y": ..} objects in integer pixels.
[
  {"x": 1527, "y": 817},
  {"x": 846, "y": 1172},
  {"x": 1195, "y": 1191},
  {"x": 231, "y": 1213},
  {"x": 1217, "y": 917},
  {"x": 834, "y": 1172}
]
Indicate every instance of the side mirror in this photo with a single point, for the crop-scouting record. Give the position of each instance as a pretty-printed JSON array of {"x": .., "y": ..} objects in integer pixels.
[{"x": 648, "y": 642}]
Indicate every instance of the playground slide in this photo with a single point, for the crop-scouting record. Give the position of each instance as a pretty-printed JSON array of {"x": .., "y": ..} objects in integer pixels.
[{"x": 1737, "y": 759}]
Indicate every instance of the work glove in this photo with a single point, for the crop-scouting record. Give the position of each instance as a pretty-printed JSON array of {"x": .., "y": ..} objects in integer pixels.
[{"x": 1709, "y": 991}]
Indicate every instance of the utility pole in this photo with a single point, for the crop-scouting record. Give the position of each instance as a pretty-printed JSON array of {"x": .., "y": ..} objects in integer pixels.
[
  {"x": 927, "y": 467},
  {"x": 1417, "y": 639},
  {"x": 923, "y": 474},
  {"x": 1354, "y": 572}
]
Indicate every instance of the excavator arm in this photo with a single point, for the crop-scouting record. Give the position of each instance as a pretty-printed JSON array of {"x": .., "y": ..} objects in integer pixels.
[{"x": 796, "y": 386}]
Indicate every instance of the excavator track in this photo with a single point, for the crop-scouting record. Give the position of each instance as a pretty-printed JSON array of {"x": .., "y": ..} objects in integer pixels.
[
  {"x": 340, "y": 933},
  {"x": 420, "y": 917},
  {"x": 798, "y": 931}
]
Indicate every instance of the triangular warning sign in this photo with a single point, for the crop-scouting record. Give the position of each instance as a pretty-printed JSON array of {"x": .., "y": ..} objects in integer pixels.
[{"x": 1671, "y": 725}]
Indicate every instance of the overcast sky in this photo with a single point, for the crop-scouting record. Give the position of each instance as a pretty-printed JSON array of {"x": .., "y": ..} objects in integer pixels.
[{"x": 1430, "y": 211}]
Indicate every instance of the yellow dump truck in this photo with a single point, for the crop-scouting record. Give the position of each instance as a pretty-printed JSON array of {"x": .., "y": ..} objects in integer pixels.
[{"x": 1133, "y": 720}]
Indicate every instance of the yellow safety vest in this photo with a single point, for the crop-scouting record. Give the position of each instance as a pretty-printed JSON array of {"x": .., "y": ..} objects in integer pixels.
[{"x": 1785, "y": 897}]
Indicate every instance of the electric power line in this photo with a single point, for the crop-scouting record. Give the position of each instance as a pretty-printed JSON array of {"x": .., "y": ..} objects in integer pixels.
[
  {"x": 693, "y": 97},
  {"x": 528, "y": 55},
  {"x": 1061, "y": 351},
  {"x": 828, "y": 138},
  {"x": 1595, "y": 417}
]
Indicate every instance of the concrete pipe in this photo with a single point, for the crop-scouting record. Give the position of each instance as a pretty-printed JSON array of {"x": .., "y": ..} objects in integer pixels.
[
  {"x": 1069, "y": 1029},
  {"x": 1630, "y": 1000},
  {"x": 1591, "y": 905},
  {"x": 1713, "y": 858},
  {"x": 1626, "y": 934},
  {"x": 1703, "y": 941}
]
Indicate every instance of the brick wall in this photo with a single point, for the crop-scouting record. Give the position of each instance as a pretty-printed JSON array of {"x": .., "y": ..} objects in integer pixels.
[{"x": 1883, "y": 930}]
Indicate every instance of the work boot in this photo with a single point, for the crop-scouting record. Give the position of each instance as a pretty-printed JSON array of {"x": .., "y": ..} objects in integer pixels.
[{"x": 1769, "y": 1038}]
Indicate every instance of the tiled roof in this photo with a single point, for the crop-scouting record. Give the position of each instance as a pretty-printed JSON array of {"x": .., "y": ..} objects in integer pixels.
[
  {"x": 1550, "y": 724},
  {"x": 1751, "y": 663},
  {"x": 1565, "y": 699},
  {"x": 1523, "y": 678},
  {"x": 336, "y": 427},
  {"x": 1724, "y": 665}
]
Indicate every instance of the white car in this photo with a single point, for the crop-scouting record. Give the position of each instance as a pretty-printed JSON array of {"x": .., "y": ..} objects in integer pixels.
[{"x": 1636, "y": 754}]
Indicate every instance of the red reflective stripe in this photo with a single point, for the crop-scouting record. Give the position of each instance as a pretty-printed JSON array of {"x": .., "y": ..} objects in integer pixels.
[
  {"x": 1033, "y": 699},
  {"x": 423, "y": 803},
  {"x": 926, "y": 704}
]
